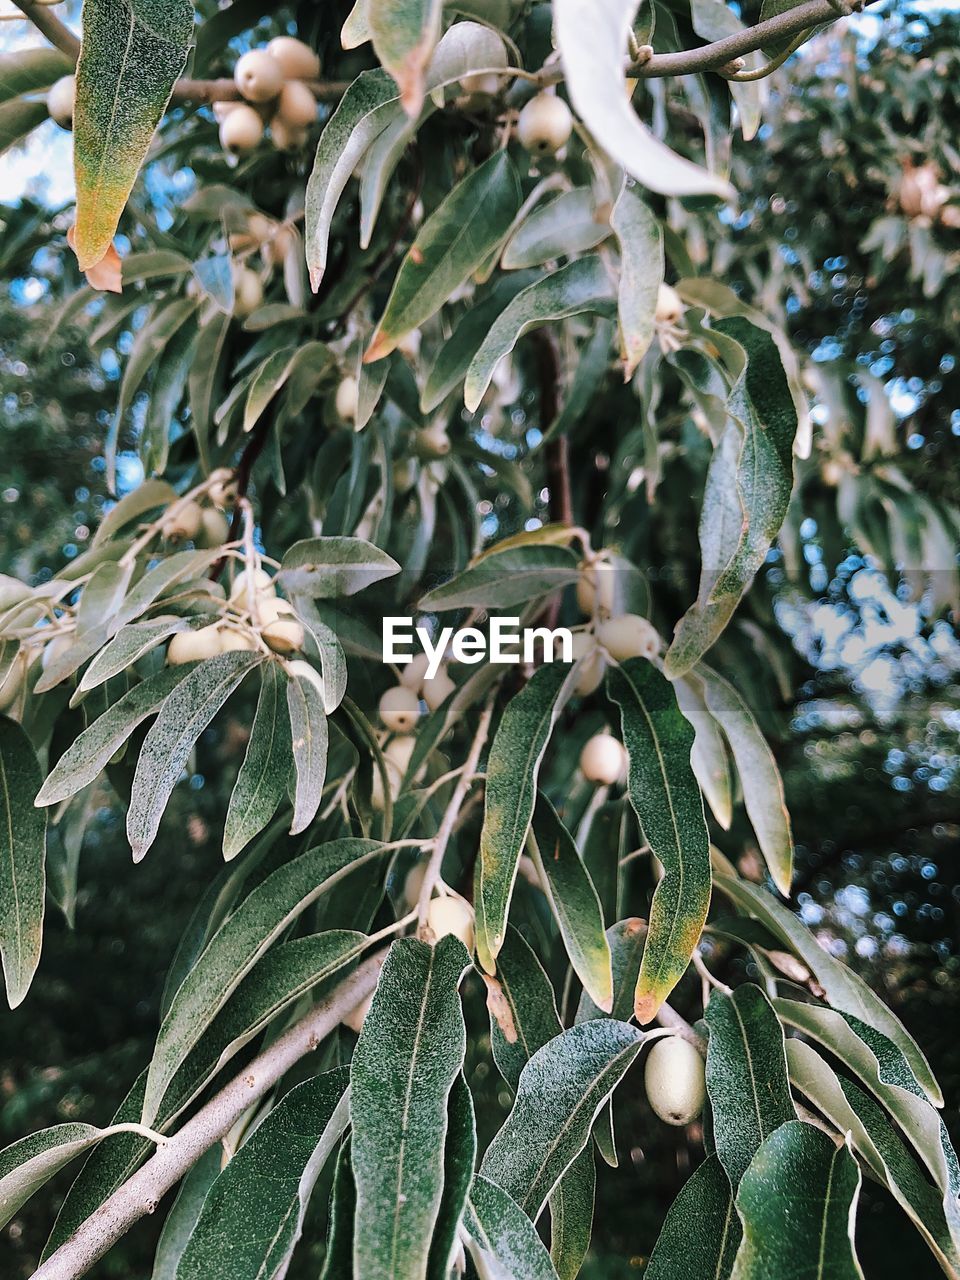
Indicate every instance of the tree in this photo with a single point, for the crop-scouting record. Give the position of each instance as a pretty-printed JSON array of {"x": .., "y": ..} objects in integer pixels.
[{"x": 482, "y": 381}]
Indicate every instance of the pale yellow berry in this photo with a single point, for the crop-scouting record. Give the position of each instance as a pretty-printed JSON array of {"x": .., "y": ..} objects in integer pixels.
[
  {"x": 596, "y": 588},
  {"x": 603, "y": 760},
  {"x": 270, "y": 608},
  {"x": 215, "y": 528},
  {"x": 415, "y": 672},
  {"x": 675, "y": 1080},
  {"x": 241, "y": 130},
  {"x": 194, "y": 646},
  {"x": 347, "y": 400},
  {"x": 432, "y": 442},
  {"x": 545, "y": 124},
  {"x": 232, "y": 640},
  {"x": 223, "y": 493},
  {"x": 183, "y": 525},
  {"x": 222, "y": 109},
  {"x": 283, "y": 636},
  {"x": 399, "y": 709},
  {"x": 247, "y": 292},
  {"x": 61, "y": 100},
  {"x": 594, "y": 664},
  {"x": 413, "y": 883},
  {"x": 629, "y": 636},
  {"x": 435, "y": 692},
  {"x": 451, "y": 915},
  {"x": 287, "y": 137},
  {"x": 669, "y": 305},
  {"x": 296, "y": 60},
  {"x": 258, "y": 76},
  {"x": 263, "y": 585},
  {"x": 296, "y": 105}
]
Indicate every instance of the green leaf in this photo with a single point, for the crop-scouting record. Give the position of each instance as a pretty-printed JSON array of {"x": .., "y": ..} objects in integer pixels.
[
  {"x": 797, "y": 1202},
  {"x": 714, "y": 20},
  {"x": 23, "y": 831},
  {"x": 154, "y": 264},
  {"x": 574, "y": 903},
  {"x": 83, "y": 761},
  {"x": 268, "y": 381},
  {"x": 262, "y": 780},
  {"x": 253, "y": 1215},
  {"x": 709, "y": 757},
  {"x": 844, "y": 989},
  {"x": 760, "y": 779},
  {"x": 204, "y": 378},
  {"x": 338, "y": 1258},
  {"x": 409, "y": 1053},
  {"x": 522, "y": 1006},
  {"x": 26, "y": 1165},
  {"x": 237, "y": 946},
  {"x": 502, "y": 1240},
  {"x": 18, "y": 117},
  {"x": 511, "y": 791},
  {"x": 752, "y": 463},
  {"x": 333, "y": 663},
  {"x": 182, "y": 1219},
  {"x": 149, "y": 496},
  {"x": 131, "y": 54},
  {"x": 746, "y": 1076},
  {"x": 666, "y": 798},
  {"x": 583, "y": 285},
  {"x": 183, "y": 717},
  {"x": 571, "y": 1215},
  {"x": 626, "y": 940},
  {"x": 404, "y": 35},
  {"x": 506, "y": 578},
  {"x": 368, "y": 106},
  {"x": 308, "y": 731},
  {"x": 453, "y": 242},
  {"x": 701, "y": 1232},
  {"x": 324, "y": 568},
  {"x": 569, "y": 224},
  {"x": 459, "y": 1157},
  {"x": 127, "y": 647},
  {"x": 641, "y": 274},
  {"x": 31, "y": 70},
  {"x": 561, "y": 1091},
  {"x": 170, "y": 571},
  {"x": 875, "y": 1139},
  {"x": 592, "y": 40}
]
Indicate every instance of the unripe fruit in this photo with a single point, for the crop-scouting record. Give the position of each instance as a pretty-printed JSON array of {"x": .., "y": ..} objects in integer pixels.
[
  {"x": 545, "y": 124},
  {"x": 397, "y": 755},
  {"x": 287, "y": 137},
  {"x": 675, "y": 1080},
  {"x": 241, "y": 130},
  {"x": 270, "y": 608},
  {"x": 61, "y": 100},
  {"x": 629, "y": 636},
  {"x": 413, "y": 884},
  {"x": 451, "y": 915},
  {"x": 347, "y": 400},
  {"x": 56, "y": 649},
  {"x": 669, "y": 305},
  {"x": 194, "y": 646},
  {"x": 399, "y": 709},
  {"x": 435, "y": 692},
  {"x": 591, "y": 672},
  {"x": 296, "y": 105},
  {"x": 283, "y": 636},
  {"x": 433, "y": 442},
  {"x": 296, "y": 60},
  {"x": 262, "y": 585},
  {"x": 415, "y": 672},
  {"x": 215, "y": 528},
  {"x": 603, "y": 760},
  {"x": 596, "y": 588},
  {"x": 356, "y": 1017},
  {"x": 486, "y": 84},
  {"x": 258, "y": 76},
  {"x": 247, "y": 292},
  {"x": 222, "y": 109},
  {"x": 185, "y": 524},
  {"x": 232, "y": 640},
  {"x": 223, "y": 493}
]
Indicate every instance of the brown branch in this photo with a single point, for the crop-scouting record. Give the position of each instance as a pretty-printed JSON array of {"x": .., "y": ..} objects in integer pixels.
[
  {"x": 142, "y": 1192},
  {"x": 48, "y": 24},
  {"x": 203, "y": 92}
]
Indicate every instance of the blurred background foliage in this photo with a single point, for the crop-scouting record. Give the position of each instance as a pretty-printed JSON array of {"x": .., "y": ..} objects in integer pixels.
[{"x": 846, "y": 233}]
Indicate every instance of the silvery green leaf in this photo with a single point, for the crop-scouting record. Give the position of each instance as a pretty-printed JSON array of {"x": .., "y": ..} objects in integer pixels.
[
  {"x": 459, "y": 1158},
  {"x": 324, "y": 568},
  {"x": 502, "y": 1240},
  {"x": 701, "y": 1232},
  {"x": 262, "y": 781},
  {"x": 23, "y": 830},
  {"x": 127, "y": 647},
  {"x": 502, "y": 579},
  {"x": 405, "y": 34},
  {"x": 309, "y": 736},
  {"x": 641, "y": 274},
  {"x": 182, "y": 1218},
  {"x": 569, "y": 224},
  {"x": 709, "y": 756}
]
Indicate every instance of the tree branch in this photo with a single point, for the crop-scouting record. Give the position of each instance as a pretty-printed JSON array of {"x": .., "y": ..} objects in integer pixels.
[
  {"x": 203, "y": 92},
  {"x": 142, "y": 1192},
  {"x": 48, "y": 24}
]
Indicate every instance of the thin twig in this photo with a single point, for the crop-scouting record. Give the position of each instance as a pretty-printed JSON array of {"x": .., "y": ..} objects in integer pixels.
[{"x": 48, "y": 24}]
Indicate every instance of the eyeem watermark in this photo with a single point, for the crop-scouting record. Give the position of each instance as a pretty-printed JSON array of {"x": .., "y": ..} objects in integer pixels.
[{"x": 504, "y": 642}]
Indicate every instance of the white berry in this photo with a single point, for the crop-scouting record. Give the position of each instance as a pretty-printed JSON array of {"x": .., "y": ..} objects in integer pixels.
[
  {"x": 603, "y": 760},
  {"x": 347, "y": 401},
  {"x": 669, "y": 305},
  {"x": 629, "y": 636},
  {"x": 296, "y": 60},
  {"x": 596, "y": 588},
  {"x": 61, "y": 100},
  {"x": 675, "y": 1080},
  {"x": 258, "y": 76},
  {"x": 438, "y": 690},
  {"x": 241, "y": 130},
  {"x": 297, "y": 106},
  {"x": 399, "y": 709},
  {"x": 194, "y": 646},
  {"x": 545, "y": 124},
  {"x": 185, "y": 524},
  {"x": 447, "y": 916},
  {"x": 594, "y": 664}
]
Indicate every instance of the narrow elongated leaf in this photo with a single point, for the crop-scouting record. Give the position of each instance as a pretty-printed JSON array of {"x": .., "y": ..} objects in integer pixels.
[
  {"x": 511, "y": 791},
  {"x": 506, "y": 578},
  {"x": 253, "y": 1214},
  {"x": 333, "y": 662},
  {"x": 665, "y": 796},
  {"x": 308, "y": 732},
  {"x": 592, "y": 39},
  {"x": 746, "y": 1076},
  {"x": 571, "y": 1215},
  {"x": 760, "y": 779},
  {"x": 262, "y": 779},
  {"x": 560, "y": 1093},
  {"x": 502, "y": 1240},
  {"x": 409, "y": 1053},
  {"x": 715, "y": 20},
  {"x": 569, "y": 224},
  {"x": 522, "y": 1005},
  {"x": 709, "y": 757},
  {"x": 626, "y": 940},
  {"x": 797, "y": 1202},
  {"x": 754, "y": 461},
  {"x": 127, "y": 647},
  {"x": 338, "y": 1259},
  {"x": 183, "y": 717},
  {"x": 574, "y": 901},
  {"x": 701, "y": 1232},
  {"x": 454, "y": 241},
  {"x": 23, "y": 832},
  {"x": 149, "y": 496},
  {"x": 236, "y": 947},
  {"x": 87, "y": 756},
  {"x": 583, "y": 285},
  {"x": 404, "y": 35},
  {"x": 875, "y": 1139},
  {"x": 182, "y": 1218},
  {"x": 131, "y": 54},
  {"x": 844, "y": 989},
  {"x": 171, "y": 570},
  {"x": 324, "y": 568},
  {"x": 641, "y": 274},
  {"x": 459, "y": 1158},
  {"x": 19, "y": 117},
  {"x": 29, "y": 70}
]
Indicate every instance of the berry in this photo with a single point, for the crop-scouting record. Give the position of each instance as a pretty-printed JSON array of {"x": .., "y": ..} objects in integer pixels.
[
  {"x": 545, "y": 124},
  {"x": 61, "y": 100},
  {"x": 675, "y": 1080},
  {"x": 591, "y": 672},
  {"x": 232, "y": 640},
  {"x": 347, "y": 401},
  {"x": 194, "y": 646},
  {"x": 399, "y": 709},
  {"x": 247, "y": 292},
  {"x": 283, "y": 636},
  {"x": 669, "y": 305},
  {"x": 262, "y": 586},
  {"x": 296, "y": 60},
  {"x": 415, "y": 672},
  {"x": 596, "y": 588},
  {"x": 435, "y": 692},
  {"x": 258, "y": 76},
  {"x": 603, "y": 760},
  {"x": 215, "y": 528},
  {"x": 287, "y": 137},
  {"x": 629, "y": 636},
  {"x": 185, "y": 524},
  {"x": 241, "y": 130},
  {"x": 296, "y": 106},
  {"x": 451, "y": 915}
]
